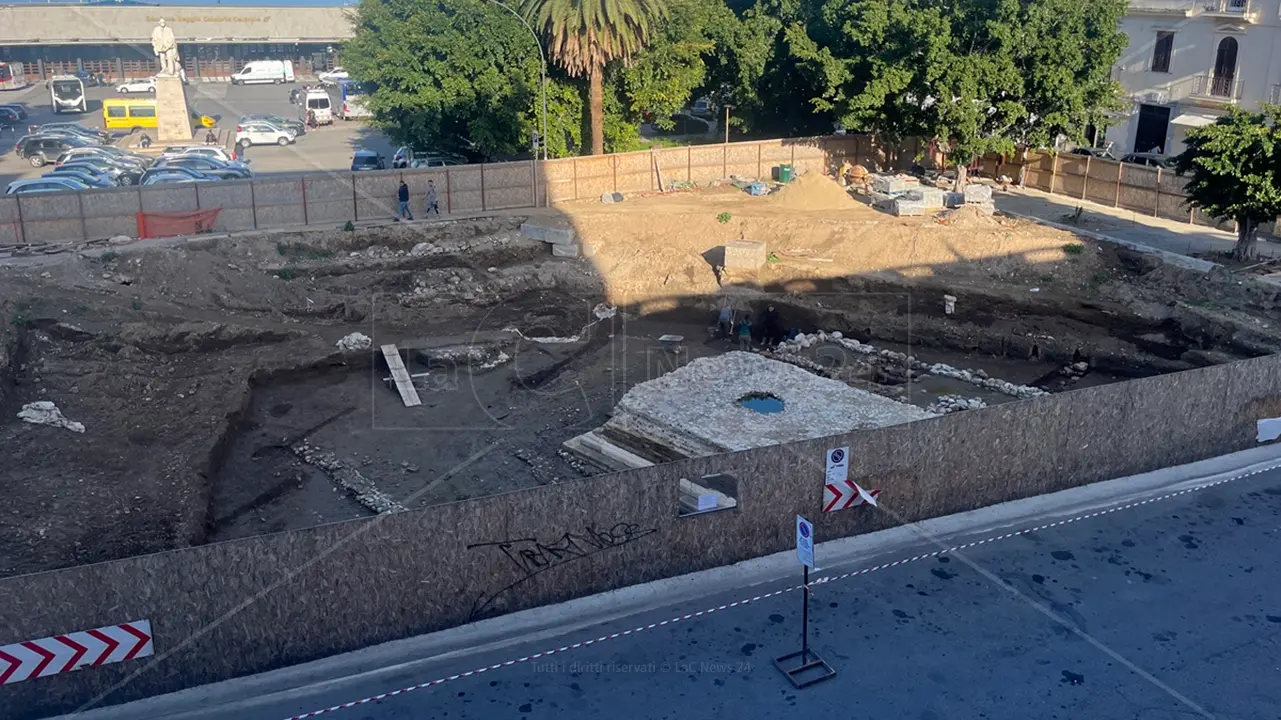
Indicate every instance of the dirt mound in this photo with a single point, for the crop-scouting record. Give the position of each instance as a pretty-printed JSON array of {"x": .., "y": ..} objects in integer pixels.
[
  {"x": 968, "y": 217},
  {"x": 812, "y": 191}
]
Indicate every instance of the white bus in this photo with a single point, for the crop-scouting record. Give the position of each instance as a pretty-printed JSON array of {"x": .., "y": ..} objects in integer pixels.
[
  {"x": 353, "y": 101},
  {"x": 67, "y": 94}
]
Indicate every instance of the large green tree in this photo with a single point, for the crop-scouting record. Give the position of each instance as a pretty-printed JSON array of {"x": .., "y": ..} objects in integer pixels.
[
  {"x": 976, "y": 76},
  {"x": 461, "y": 75},
  {"x": 1235, "y": 172},
  {"x": 584, "y": 35}
]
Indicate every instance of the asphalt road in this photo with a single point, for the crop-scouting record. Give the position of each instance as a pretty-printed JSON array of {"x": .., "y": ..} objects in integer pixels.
[
  {"x": 1164, "y": 609},
  {"x": 327, "y": 148}
]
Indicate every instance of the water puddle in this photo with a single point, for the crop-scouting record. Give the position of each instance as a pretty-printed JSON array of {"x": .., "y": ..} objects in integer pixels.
[{"x": 762, "y": 403}]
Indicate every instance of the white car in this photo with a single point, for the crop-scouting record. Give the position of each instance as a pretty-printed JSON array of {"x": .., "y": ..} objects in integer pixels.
[
  {"x": 262, "y": 133},
  {"x": 329, "y": 78},
  {"x": 213, "y": 152},
  {"x": 142, "y": 85}
]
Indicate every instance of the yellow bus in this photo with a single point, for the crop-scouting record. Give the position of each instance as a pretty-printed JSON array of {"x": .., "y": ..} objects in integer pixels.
[{"x": 128, "y": 114}]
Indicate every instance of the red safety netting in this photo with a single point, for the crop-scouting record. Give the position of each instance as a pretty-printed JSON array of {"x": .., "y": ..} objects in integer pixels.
[{"x": 170, "y": 224}]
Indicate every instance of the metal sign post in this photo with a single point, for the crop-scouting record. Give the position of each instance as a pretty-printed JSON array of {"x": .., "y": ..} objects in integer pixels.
[{"x": 812, "y": 668}]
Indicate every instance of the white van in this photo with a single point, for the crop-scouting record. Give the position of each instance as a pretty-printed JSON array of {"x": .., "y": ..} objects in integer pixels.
[
  {"x": 316, "y": 101},
  {"x": 264, "y": 71}
]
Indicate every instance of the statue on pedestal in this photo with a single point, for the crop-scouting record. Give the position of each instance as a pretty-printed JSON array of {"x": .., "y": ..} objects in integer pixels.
[{"x": 166, "y": 48}]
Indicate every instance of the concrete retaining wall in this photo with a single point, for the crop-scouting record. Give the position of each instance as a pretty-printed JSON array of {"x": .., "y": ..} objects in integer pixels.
[{"x": 339, "y": 587}]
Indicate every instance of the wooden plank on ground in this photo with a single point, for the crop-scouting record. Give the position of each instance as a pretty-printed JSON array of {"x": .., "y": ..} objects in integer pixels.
[{"x": 404, "y": 384}]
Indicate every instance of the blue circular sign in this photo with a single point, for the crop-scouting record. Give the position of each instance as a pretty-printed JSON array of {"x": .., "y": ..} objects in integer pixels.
[
  {"x": 838, "y": 455},
  {"x": 804, "y": 529}
]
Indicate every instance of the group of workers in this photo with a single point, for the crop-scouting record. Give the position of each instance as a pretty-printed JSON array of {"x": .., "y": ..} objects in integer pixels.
[{"x": 768, "y": 331}]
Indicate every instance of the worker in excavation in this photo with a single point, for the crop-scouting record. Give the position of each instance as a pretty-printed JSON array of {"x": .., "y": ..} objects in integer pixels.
[
  {"x": 725, "y": 322},
  {"x": 745, "y": 332}
]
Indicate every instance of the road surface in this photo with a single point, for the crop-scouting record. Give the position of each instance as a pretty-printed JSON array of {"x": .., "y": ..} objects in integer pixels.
[{"x": 1160, "y": 604}]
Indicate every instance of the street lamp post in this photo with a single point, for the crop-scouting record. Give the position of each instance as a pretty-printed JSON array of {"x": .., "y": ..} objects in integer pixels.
[{"x": 541, "y": 56}]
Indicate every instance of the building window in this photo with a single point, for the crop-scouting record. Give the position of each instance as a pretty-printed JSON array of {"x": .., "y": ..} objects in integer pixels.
[{"x": 1162, "y": 52}]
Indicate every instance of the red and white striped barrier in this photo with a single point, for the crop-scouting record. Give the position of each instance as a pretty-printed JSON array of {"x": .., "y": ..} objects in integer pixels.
[
  {"x": 845, "y": 494},
  {"x": 64, "y": 653}
]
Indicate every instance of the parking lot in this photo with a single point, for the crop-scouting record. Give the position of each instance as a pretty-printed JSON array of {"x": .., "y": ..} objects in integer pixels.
[{"x": 325, "y": 148}]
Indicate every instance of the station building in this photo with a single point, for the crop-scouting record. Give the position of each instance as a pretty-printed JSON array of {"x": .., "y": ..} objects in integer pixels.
[{"x": 214, "y": 41}]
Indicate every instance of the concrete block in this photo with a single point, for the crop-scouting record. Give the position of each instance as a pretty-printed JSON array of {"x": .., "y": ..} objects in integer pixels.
[
  {"x": 891, "y": 184},
  {"x": 978, "y": 193},
  {"x": 882, "y": 201},
  {"x": 566, "y": 250},
  {"x": 954, "y": 200},
  {"x": 904, "y": 206},
  {"x": 532, "y": 231},
  {"x": 744, "y": 255},
  {"x": 558, "y": 236}
]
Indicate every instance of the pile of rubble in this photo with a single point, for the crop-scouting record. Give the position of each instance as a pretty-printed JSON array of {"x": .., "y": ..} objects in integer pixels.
[
  {"x": 364, "y": 490},
  {"x": 911, "y": 366},
  {"x": 945, "y": 404},
  {"x": 904, "y": 195}
]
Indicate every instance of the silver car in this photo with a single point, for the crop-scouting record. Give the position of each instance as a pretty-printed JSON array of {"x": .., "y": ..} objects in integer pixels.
[{"x": 43, "y": 185}]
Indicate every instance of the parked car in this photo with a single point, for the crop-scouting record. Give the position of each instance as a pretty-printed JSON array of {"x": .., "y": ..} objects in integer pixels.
[
  {"x": 261, "y": 132},
  {"x": 1101, "y": 153},
  {"x": 83, "y": 175},
  {"x": 1150, "y": 160},
  {"x": 330, "y": 78},
  {"x": 367, "y": 160},
  {"x": 46, "y": 184},
  {"x": 40, "y": 150},
  {"x": 165, "y": 175},
  {"x": 205, "y": 165},
  {"x": 297, "y": 126},
  {"x": 407, "y": 157},
  {"x": 109, "y": 152},
  {"x": 140, "y": 85},
  {"x": 701, "y": 108},
  {"x": 119, "y": 174},
  {"x": 20, "y": 108},
  {"x": 119, "y": 157},
  {"x": 86, "y": 132},
  {"x": 215, "y": 152}
]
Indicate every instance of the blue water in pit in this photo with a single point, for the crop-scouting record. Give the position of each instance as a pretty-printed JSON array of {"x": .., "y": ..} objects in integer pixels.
[{"x": 761, "y": 403}]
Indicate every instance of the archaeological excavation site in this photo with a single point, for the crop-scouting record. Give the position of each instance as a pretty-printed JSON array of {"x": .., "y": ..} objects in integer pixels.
[{"x": 163, "y": 394}]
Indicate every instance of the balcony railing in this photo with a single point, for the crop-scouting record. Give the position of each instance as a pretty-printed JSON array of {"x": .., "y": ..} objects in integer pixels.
[{"x": 1216, "y": 87}]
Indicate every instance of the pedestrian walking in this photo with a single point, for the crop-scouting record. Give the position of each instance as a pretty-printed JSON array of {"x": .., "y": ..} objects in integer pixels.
[
  {"x": 402, "y": 194},
  {"x": 433, "y": 205},
  {"x": 745, "y": 332}
]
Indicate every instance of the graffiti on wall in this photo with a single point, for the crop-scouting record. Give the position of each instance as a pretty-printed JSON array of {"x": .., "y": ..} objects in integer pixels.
[{"x": 532, "y": 557}]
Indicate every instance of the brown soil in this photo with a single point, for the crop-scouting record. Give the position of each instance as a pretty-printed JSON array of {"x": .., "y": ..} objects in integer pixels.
[{"x": 195, "y": 366}]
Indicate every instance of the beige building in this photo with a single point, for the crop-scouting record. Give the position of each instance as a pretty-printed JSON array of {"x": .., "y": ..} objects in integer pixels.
[{"x": 213, "y": 40}]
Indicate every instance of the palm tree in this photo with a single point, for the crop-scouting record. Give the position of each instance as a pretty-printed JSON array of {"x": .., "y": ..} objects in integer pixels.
[{"x": 584, "y": 35}]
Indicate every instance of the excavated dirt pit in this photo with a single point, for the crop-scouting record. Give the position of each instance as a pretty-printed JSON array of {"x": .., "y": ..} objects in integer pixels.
[{"x": 216, "y": 404}]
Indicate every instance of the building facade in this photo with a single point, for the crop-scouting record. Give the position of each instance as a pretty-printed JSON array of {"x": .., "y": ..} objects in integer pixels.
[
  {"x": 213, "y": 40},
  {"x": 1188, "y": 62}
]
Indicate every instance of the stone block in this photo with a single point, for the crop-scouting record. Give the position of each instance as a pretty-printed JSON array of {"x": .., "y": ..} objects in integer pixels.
[
  {"x": 558, "y": 236},
  {"x": 954, "y": 200},
  {"x": 927, "y": 196},
  {"x": 978, "y": 193},
  {"x": 744, "y": 255},
  {"x": 904, "y": 206},
  {"x": 173, "y": 119},
  {"x": 532, "y": 231},
  {"x": 890, "y": 184},
  {"x": 566, "y": 250}
]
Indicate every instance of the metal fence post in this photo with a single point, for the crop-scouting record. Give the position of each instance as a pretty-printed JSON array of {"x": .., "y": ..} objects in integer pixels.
[
  {"x": 84, "y": 226},
  {"x": 482, "y": 187},
  {"x": 1085, "y": 179},
  {"x": 305, "y": 217},
  {"x": 355, "y": 205},
  {"x": 1156, "y": 204},
  {"x": 22, "y": 226},
  {"x": 1119, "y": 168},
  {"x": 253, "y": 201},
  {"x": 449, "y": 202}
]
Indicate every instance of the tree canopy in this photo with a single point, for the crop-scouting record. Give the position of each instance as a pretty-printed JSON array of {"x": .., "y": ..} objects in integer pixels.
[
  {"x": 973, "y": 75},
  {"x": 1235, "y": 172}
]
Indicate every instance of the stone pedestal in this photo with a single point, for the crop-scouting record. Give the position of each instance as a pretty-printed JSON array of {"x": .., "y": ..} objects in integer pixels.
[{"x": 173, "y": 118}]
